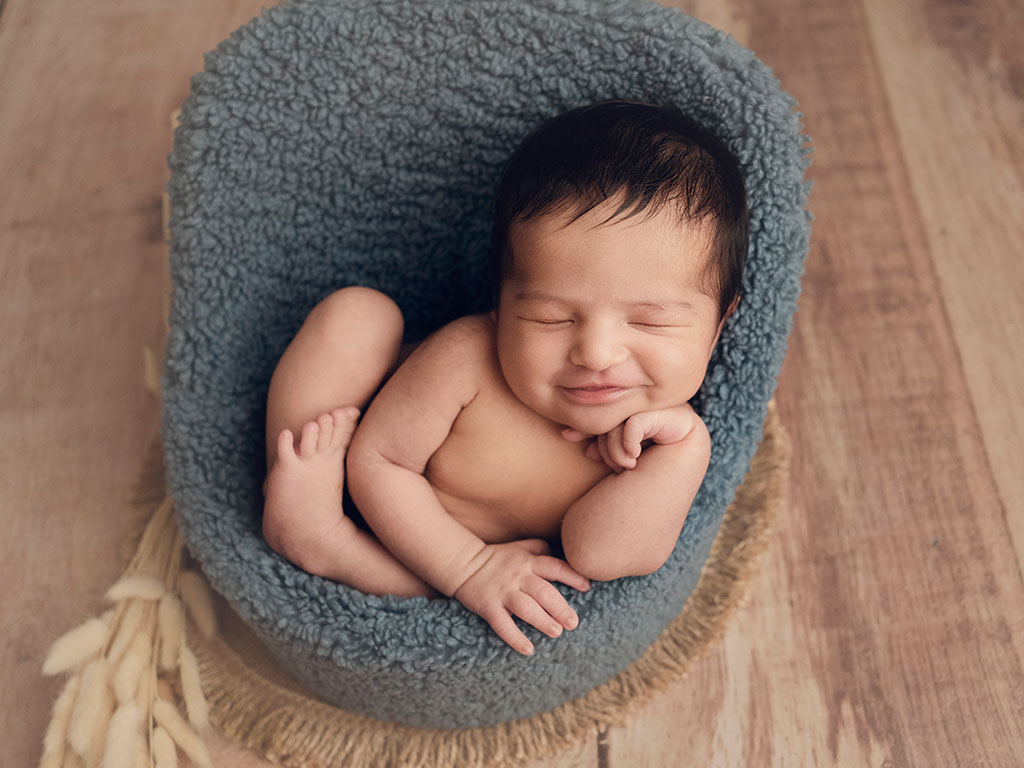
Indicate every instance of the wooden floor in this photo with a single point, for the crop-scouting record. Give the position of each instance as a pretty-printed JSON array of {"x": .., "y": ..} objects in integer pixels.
[{"x": 887, "y": 625}]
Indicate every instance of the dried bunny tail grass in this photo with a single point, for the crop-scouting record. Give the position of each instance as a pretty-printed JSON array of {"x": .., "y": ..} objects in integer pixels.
[
  {"x": 197, "y": 597},
  {"x": 164, "y": 690},
  {"x": 89, "y": 706},
  {"x": 145, "y": 693},
  {"x": 192, "y": 691},
  {"x": 101, "y": 726},
  {"x": 73, "y": 760},
  {"x": 74, "y": 647},
  {"x": 129, "y": 671},
  {"x": 165, "y": 754},
  {"x": 175, "y": 725},
  {"x": 124, "y": 737},
  {"x": 131, "y": 620},
  {"x": 138, "y": 586},
  {"x": 171, "y": 620},
  {"x": 55, "y": 740}
]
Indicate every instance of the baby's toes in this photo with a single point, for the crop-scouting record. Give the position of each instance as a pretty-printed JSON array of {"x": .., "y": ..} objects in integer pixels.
[
  {"x": 326, "y": 424},
  {"x": 285, "y": 445},
  {"x": 344, "y": 425},
  {"x": 307, "y": 443}
]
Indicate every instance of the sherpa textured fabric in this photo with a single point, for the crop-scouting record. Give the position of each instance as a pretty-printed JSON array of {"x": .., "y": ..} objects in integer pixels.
[{"x": 338, "y": 142}]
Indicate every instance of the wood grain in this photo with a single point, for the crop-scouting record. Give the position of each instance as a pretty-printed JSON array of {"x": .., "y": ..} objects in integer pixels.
[
  {"x": 85, "y": 94},
  {"x": 885, "y": 628},
  {"x": 972, "y": 199}
]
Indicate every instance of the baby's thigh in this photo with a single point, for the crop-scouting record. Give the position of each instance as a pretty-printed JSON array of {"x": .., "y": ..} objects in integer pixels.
[{"x": 348, "y": 345}]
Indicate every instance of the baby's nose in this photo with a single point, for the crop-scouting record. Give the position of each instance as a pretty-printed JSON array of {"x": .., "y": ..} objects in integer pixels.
[{"x": 597, "y": 349}]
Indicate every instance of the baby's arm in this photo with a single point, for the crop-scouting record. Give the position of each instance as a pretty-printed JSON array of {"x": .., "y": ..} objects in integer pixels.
[
  {"x": 405, "y": 424},
  {"x": 628, "y": 524}
]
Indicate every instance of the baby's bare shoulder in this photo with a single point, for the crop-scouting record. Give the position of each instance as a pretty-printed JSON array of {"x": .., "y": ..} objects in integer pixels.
[
  {"x": 468, "y": 340},
  {"x": 452, "y": 363}
]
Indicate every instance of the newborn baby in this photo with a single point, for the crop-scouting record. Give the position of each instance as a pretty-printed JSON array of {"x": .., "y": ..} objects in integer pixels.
[{"x": 562, "y": 416}]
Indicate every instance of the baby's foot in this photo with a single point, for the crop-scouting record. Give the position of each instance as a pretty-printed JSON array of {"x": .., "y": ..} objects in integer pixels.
[{"x": 302, "y": 516}]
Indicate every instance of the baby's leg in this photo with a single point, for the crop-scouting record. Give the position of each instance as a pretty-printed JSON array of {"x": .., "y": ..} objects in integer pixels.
[{"x": 348, "y": 345}]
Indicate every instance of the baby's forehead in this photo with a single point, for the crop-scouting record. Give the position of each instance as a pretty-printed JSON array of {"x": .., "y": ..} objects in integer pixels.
[
  {"x": 536, "y": 245},
  {"x": 667, "y": 222}
]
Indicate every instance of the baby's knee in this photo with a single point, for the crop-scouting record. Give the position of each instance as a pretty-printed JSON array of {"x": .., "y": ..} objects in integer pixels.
[{"x": 365, "y": 308}]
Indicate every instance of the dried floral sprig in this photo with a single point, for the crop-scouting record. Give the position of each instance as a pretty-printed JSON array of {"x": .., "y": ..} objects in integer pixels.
[{"x": 118, "y": 707}]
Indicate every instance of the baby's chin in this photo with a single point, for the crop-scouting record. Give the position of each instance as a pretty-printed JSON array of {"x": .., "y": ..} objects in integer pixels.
[{"x": 596, "y": 422}]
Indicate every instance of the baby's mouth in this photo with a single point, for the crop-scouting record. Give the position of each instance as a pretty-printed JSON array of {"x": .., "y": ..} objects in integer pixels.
[{"x": 594, "y": 395}]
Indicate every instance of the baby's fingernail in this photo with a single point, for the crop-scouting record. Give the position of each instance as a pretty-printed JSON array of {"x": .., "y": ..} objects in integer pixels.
[
  {"x": 573, "y": 622},
  {"x": 528, "y": 649}
]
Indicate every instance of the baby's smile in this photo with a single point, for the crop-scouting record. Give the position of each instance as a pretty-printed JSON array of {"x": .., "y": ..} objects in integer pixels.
[{"x": 595, "y": 395}]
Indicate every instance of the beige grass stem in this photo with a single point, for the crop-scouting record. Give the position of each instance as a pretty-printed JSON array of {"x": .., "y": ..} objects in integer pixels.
[
  {"x": 139, "y": 586},
  {"x": 196, "y": 596}
]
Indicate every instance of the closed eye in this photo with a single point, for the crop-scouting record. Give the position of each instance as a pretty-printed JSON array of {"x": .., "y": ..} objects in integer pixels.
[
  {"x": 652, "y": 325},
  {"x": 545, "y": 322}
]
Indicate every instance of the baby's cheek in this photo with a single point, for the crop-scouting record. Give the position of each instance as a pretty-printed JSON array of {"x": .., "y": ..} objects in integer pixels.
[{"x": 683, "y": 376}]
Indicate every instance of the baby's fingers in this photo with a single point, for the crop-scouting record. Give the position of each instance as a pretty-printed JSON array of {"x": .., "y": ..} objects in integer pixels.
[
  {"x": 574, "y": 435},
  {"x": 556, "y": 569},
  {"x": 501, "y": 622},
  {"x": 527, "y": 608},
  {"x": 633, "y": 434},
  {"x": 555, "y": 606},
  {"x": 603, "y": 443},
  {"x": 617, "y": 450},
  {"x": 535, "y": 546}
]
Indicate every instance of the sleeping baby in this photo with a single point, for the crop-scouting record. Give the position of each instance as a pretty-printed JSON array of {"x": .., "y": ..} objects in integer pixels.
[{"x": 559, "y": 418}]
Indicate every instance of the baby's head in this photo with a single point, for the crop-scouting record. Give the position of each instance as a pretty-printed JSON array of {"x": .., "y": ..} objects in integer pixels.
[{"x": 620, "y": 236}]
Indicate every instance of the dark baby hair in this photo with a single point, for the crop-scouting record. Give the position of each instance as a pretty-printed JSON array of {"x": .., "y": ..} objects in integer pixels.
[{"x": 651, "y": 155}]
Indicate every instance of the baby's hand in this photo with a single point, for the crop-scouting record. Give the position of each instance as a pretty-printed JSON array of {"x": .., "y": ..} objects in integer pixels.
[
  {"x": 620, "y": 448},
  {"x": 515, "y": 578}
]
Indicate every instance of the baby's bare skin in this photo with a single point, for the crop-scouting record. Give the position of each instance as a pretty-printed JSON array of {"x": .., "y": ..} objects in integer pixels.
[
  {"x": 502, "y": 432},
  {"x": 504, "y": 471}
]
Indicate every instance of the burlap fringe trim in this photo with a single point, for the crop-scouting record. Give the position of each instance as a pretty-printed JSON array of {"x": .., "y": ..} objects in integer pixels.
[{"x": 296, "y": 731}]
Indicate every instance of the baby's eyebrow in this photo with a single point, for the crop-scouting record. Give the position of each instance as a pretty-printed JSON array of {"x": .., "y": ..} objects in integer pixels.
[
  {"x": 535, "y": 296},
  {"x": 665, "y": 305}
]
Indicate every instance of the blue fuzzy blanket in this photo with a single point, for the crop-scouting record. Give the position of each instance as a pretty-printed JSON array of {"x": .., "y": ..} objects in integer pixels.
[{"x": 337, "y": 142}]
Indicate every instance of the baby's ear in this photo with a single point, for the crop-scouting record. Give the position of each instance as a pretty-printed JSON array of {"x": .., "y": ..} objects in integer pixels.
[
  {"x": 732, "y": 308},
  {"x": 721, "y": 325}
]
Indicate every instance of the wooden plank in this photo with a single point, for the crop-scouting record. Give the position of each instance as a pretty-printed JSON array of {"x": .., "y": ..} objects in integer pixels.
[
  {"x": 963, "y": 144},
  {"x": 885, "y": 628},
  {"x": 85, "y": 94}
]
